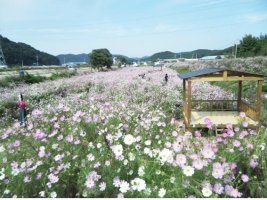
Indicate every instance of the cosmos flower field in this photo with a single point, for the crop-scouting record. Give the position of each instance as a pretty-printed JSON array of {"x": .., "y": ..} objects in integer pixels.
[{"x": 116, "y": 134}]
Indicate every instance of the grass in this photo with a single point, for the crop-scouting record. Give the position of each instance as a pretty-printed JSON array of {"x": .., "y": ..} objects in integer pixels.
[
  {"x": 11, "y": 81},
  {"x": 182, "y": 69}
]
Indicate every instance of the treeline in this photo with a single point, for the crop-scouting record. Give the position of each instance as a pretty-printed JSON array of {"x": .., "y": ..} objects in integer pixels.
[
  {"x": 23, "y": 54},
  {"x": 252, "y": 46}
]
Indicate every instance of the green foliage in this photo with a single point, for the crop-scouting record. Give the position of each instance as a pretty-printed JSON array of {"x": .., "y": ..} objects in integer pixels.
[
  {"x": 15, "y": 80},
  {"x": 122, "y": 60},
  {"x": 252, "y": 46},
  {"x": 101, "y": 58},
  {"x": 264, "y": 88},
  {"x": 10, "y": 81},
  {"x": 182, "y": 69},
  {"x": 15, "y": 53}
]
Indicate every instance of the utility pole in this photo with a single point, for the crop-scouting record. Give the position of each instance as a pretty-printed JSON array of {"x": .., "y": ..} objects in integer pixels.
[
  {"x": 2, "y": 58},
  {"x": 235, "y": 50},
  {"x": 37, "y": 64},
  {"x": 22, "y": 63}
]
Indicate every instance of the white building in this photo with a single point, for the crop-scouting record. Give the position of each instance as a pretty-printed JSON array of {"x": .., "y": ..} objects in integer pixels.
[{"x": 212, "y": 57}]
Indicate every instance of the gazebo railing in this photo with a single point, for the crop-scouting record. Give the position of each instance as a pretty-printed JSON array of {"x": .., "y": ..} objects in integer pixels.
[
  {"x": 214, "y": 105},
  {"x": 249, "y": 110}
]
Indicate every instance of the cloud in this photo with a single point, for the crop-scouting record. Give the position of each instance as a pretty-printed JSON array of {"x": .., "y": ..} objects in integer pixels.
[{"x": 255, "y": 18}]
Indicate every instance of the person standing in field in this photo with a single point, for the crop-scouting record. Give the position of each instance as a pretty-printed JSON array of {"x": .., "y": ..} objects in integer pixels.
[
  {"x": 166, "y": 78},
  {"x": 22, "y": 110}
]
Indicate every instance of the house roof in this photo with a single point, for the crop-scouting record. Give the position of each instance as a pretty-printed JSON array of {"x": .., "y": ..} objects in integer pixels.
[{"x": 214, "y": 70}]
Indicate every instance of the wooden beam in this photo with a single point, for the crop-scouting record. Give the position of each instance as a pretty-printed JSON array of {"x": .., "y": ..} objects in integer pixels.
[
  {"x": 229, "y": 78},
  {"x": 239, "y": 95},
  {"x": 259, "y": 98},
  {"x": 224, "y": 75},
  {"x": 189, "y": 99}
]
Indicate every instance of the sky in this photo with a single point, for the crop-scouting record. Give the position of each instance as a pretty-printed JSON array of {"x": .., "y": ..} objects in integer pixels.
[{"x": 134, "y": 28}]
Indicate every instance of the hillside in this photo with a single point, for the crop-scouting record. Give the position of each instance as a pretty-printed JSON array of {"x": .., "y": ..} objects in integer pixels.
[
  {"x": 66, "y": 58},
  {"x": 83, "y": 57},
  {"x": 16, "y": 53},
  {"x": 190, "y": 54}
]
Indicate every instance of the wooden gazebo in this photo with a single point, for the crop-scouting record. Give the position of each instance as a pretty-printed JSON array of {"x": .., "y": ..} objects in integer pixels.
[{"x": 220, "y": 112}]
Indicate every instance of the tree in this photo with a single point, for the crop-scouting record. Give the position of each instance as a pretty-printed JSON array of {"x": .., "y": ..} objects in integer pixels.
[
  {"x": 101, "y": 58},
  {"x": 121, "y": 60},
  {"x": 249, "y": 46}
]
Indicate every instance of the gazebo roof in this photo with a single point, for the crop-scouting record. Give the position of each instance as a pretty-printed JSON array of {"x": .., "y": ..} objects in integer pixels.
[{"x": 217, "y": 71}]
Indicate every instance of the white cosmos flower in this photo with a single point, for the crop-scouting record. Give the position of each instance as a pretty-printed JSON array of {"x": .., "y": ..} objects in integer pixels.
[
  {"x": 162, "y": 192},
  {"x": 124, "y": 186},
  {"x": 53, "y": 195},
  {"x": 148, "y": 142},
  {"x": 129, "y": 139},
  {"x": 166, "y": 155},
  {"x": 138, "y": 184},
  {"x": 188, "y": 170},
  {"x": 131, "y": 156},
  {"x": 117, "y": 149},
  {"x": 2, "y": 148},
  {"x": 206, "y": 191}
]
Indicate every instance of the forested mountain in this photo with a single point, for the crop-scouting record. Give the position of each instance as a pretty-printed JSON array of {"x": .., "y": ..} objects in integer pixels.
[
  {"x": 83, "y": 57},
  {"x": 16, "y": 53},
  {"x": 190, "y": 54},
  {"x": 66, "y": 58}
]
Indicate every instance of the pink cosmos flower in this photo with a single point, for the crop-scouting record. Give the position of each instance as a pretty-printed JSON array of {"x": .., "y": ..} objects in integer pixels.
[
  {"x": 236, "y": 143},
  {"x": 27, "y": 179},
  {"x": 219, "y": 139},
  {"x": 116, "y": 181},
  {"x": 174, "y": 134},
  {"x": 245, "y": 124},
  {"x": 207, "y": 152},
  {"x": 233, "y": 166},
  {"x": 39, "y": 135},
  {"x": 245, "y": 178},
  {"x": 224, "y": 135},
  {"x": 69, "y": 138},
  {"x": 218, "y": 188},
  {"x": 253, "y": 163},
  {"x": 197, "y": 134},
  {"x": 242, "y": 114},
  {"x": 217, "y": 171},
  {"x": 198, "y": 164},
  {"x": 53, "y": 178},
  {"x": 231, "y": 133},
  {"x": 208, "y": 123},
  {"x": 180, "y": 160},
  {"x": 236, "y": 129},
  {"x": 229, "y": 126},
  {"x": 232, "y": 192},
  {"x": 250, "y": 146}
]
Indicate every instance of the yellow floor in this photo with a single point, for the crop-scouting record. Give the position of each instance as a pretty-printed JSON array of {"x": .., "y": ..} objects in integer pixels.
[{"x": 218, "y": 117}]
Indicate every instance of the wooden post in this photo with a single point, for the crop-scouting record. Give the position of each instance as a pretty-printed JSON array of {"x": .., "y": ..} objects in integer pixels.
[
  {"x": 184, "y": 88},
  {"x": 259, "y": 97},
  {"x": 239, "y": 95},
  {"x": 189, "y": 96},
  {"x": 224, "y": 75},
  {"x": 184, "y": 101}
]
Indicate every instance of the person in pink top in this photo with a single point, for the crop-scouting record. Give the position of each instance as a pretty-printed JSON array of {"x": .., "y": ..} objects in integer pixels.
[{"x": 22, "y": 110}]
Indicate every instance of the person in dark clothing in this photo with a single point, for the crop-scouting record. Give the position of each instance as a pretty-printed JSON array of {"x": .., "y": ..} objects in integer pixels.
[{"x": 166, "y": 78}]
